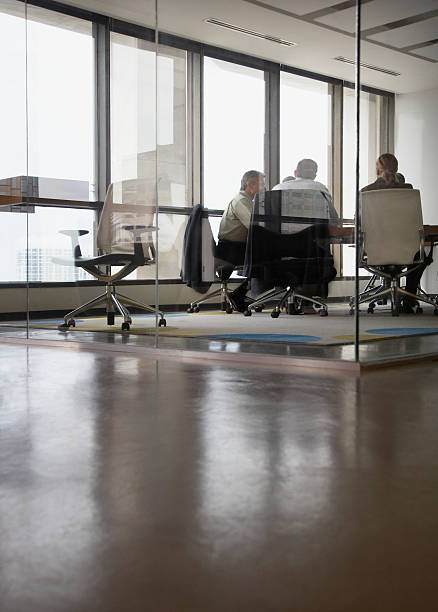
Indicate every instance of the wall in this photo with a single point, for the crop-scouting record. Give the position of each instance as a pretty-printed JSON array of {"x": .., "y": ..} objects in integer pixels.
[{"x": 416, "y": 147}]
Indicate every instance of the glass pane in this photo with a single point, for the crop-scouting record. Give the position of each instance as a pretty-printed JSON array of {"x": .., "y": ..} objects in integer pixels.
[
  {"x": 133, "y": 117},
  {"x": 50, "y": 252},
  {"x": 304, "y": 98},
  {"x": 133, "y": 130},
  {"x": 234, "y": 99},
  {"x": 61, "y": 105},
  {"x": 369, "y": 145},
  {"x": 13, "y": 168}
]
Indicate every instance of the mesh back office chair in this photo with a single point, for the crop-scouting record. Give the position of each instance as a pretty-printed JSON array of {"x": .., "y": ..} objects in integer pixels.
[
  {"x": 391, "y": 243},
  {"x": 296, "y": 217},
  {"x": 125, "y": 237}
]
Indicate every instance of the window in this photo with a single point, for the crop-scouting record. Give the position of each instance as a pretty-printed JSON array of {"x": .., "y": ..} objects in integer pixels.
[
  {"x": 136, "y": 129},
  {"x": 369, "y": 152},
  {"x": 305, "y": 122},
  {"x": 61, "y": 104},
  {"x": 234, "y": 128}
]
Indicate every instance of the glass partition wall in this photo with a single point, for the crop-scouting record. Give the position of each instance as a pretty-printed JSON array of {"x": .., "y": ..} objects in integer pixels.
[
  {"x": 398, "y": 158},
  {"x": 127, "y": 134}
]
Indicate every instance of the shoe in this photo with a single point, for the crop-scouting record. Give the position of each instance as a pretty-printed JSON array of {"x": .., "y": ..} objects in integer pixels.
[{"x": 407, "y": 308}]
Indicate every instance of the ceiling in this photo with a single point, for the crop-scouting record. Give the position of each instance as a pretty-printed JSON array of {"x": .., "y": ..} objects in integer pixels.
[{"x": 397, "y": 35}]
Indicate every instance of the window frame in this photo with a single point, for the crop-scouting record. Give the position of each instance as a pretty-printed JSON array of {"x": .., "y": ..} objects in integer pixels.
[{"x": 104, "y": 25}]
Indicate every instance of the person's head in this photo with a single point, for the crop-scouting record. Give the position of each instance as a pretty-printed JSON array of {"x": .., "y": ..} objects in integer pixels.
[
  {"x": 307, "y": 169},
  {"x": 386, "y": 168},
  {"x": 252, "y": 182}
]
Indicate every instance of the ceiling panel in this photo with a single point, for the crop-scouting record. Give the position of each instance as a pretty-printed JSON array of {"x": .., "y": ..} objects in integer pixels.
[
  {"x": 378, "y": 13},
  {"x": 431, "y": 52},
  {"x": 300, "y": 7},
  {"x": 414, "y": 34}
]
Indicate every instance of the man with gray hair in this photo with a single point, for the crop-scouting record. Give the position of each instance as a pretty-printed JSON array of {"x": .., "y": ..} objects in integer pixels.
[
  {"x": 237, "y": 216},
  {"x": 305, "y": 175},
  {"x": 233, "y": 230}
]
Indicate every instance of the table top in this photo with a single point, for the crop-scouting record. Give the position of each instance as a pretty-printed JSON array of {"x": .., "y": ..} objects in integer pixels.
[{"x": 345, "y": 234}]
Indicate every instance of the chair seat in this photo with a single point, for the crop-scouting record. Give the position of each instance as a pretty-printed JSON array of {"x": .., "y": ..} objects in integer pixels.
[{"x": 112, "y": 259}]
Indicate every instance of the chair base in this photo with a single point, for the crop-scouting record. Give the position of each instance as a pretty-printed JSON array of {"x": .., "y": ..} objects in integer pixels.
[
  {"x": 116, "y": 304},
  {"x": 224, "y": 294},
  {"x": 288, "y": 295},
  {"x": 394, "y": 292}
]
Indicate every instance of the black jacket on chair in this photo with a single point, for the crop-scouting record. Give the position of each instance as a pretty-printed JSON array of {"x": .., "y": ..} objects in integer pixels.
[{"x": 191, "y": 271}]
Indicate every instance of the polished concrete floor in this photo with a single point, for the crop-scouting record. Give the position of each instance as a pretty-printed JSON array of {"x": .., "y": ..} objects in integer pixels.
[
  {"x": 369, "y": 352},
  {"x": 128, "y": 484}
]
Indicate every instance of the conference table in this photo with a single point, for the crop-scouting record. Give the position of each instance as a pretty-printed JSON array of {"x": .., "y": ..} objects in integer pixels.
[{"x": 345, "y": 234}]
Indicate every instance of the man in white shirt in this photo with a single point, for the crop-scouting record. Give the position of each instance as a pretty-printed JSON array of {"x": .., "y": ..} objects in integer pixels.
[{"x": 304, "y": 177}]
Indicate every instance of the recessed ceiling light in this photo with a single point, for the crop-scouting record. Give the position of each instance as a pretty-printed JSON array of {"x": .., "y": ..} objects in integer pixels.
[
  {"x": 230, "y": 26},
  {"x": 340, "y": 58}
]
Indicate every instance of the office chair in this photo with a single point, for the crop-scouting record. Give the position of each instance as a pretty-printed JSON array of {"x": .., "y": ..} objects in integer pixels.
[
  {"x": 125, "y": 236},
  {"x": 292, "y": 215},
  {"x": 223, "y": 270},
  {"x": 391, "y": 244}
]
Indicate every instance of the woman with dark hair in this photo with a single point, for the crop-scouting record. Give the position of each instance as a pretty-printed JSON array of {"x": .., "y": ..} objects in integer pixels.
[{"x": 389, "y": 178}]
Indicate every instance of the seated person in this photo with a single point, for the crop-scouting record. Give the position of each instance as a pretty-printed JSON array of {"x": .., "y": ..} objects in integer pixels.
[
  {"x": 233, "y": 229},
  {"x": 305, "y": 175},
  {"x": 388, "y": 177}
]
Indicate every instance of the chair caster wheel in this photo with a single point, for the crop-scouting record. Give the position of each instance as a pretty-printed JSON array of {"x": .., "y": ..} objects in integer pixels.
[
  {"x": 275, "y": 314},
  {"x": 196, "y": 308},
  {"x": 125, "y": 326},
  {"x": 110, "y": 316},
  {"x": 351, "y": 311},
  {"x": 419, "y": 310},
  {"x": 66, "y": 325},
  {"x": 229, "y": 309},
  {"x": 247, "y": 312},
  {"x": 258, "y": 308},
  {"x": 370, "y": 310},
  {"x": 190, "y": 309},
  {"x": 323, "y": 312},
  {"x": 162, "y": 323}
]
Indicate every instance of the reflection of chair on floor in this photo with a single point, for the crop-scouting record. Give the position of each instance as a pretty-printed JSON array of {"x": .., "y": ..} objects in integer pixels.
[
  {"x": 392, "y": 244},
  {"x": 125, "y": 236}
]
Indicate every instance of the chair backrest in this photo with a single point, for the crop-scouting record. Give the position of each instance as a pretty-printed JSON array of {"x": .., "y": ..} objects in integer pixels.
[
  {"x": 391, "y": 224},
  {"x": 295, "y": 209},
  {"x": 129, "y": 202}
]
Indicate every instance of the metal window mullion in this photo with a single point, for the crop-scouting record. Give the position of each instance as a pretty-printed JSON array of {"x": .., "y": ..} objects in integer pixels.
[
  {"x": 337, "y": 119},
  {"x": 194, "y": 145},
  {"x": 272, "y": 125},
  {"x": 103, "y": 120}
]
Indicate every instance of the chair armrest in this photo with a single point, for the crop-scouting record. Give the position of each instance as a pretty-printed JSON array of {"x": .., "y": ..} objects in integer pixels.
[{"x": 74, "y": 236}]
